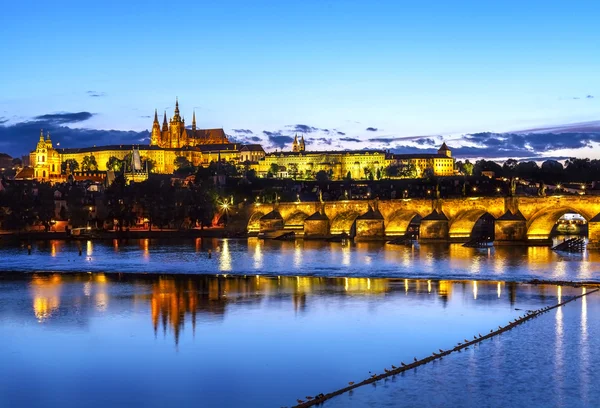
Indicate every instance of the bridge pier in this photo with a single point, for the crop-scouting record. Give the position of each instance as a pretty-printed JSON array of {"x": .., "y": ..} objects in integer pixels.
[
  {"x": 434, "y": 227},
  {"x": 316, "y": 226},
  {"x": 594, "y": 233},
  {"x": 510, "y": 229}
]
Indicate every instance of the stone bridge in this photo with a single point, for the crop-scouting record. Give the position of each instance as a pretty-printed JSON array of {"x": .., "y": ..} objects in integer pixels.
[{"x": 516, "y": 219}]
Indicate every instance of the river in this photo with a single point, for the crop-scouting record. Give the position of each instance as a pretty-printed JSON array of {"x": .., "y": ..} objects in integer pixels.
[{"x": 260, "y": 324}]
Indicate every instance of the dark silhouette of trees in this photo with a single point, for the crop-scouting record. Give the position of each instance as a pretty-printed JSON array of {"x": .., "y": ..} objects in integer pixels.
[{"x": 70, "y": 164}]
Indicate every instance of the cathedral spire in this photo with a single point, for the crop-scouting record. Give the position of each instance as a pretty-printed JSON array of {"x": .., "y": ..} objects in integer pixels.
[
  {"x": 194, "y": 121},
  {"x": 155, "y": 116},
  {"x": 176, "y": 106},
  {"x": 165, "y": 126},
  {"x": 41, "y": 135}
]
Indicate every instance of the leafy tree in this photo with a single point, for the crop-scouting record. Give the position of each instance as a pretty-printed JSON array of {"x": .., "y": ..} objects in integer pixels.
[
  {"x": 487, "y": 165},
  {"x": 293, "y": 170},
  {"x": 349, "y": 176},
  {"x": 114, "y": 164},
  {"x": 392, "y": 171},
  {"x": 509, "y": 167},
  {"x": 70, "y": 164},
  {"x": 378, "y": 174},
  {"x": 89, "y": 163},
  {"x": 528, "y": 170},
  {"x": 408, "y": 171},
  {"x": 467, "y": 168},
  {"x": 181, "y": 162},
  {"x": 274, "y": 169},
  {"x": 322, "y": 176}
]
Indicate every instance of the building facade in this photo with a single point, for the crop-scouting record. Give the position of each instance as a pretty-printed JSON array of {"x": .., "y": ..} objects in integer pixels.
[{"x": 357, "y": 164}]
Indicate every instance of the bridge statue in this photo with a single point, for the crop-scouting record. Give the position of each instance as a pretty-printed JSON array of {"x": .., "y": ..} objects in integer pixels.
[
  {"x": 542, "y": 189},
  {"x": 321, "y": 196},
  {"x": 437, "y": 191},
  {"x": 513, "y": 187},
  {"x": 464, "y": 189}
]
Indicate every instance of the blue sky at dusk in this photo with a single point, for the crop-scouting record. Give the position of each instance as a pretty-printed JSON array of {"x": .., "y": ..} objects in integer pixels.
[{"x": 413, "y": 73}]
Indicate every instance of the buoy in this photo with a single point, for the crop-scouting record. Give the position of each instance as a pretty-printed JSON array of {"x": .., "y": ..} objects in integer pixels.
[
  {"x": 209, "y": 253},
  {"x": 28, "y": 249}
]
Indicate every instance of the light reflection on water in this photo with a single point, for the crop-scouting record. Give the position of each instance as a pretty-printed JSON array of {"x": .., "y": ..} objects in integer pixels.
[
  {"x": 215, "y": 335},
  {"x": 547, "y": 362},
  {"x": 252, "y": 256}
]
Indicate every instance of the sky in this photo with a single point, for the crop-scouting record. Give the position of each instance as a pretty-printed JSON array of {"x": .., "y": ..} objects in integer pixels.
[{"x": 395, "y": 75}]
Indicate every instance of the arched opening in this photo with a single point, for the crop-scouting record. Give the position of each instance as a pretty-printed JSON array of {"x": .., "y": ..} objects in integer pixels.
[
  {"x": 557, "y": 224},
  {"x": 403, "y": 223},
  {"x": 570, "y": 224},
  {"x": 475, "y": 224},
  {"x": 254, "y": 222},
  {"x": 344, "y": 223},
  {"x": 483, "y": 230}
]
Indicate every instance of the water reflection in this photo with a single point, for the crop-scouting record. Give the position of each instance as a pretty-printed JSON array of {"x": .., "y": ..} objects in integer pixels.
[
  {"x": 315, "y": 258},
  {"x": 173, "y": 299},
  {"x": 205, "y": 325}
]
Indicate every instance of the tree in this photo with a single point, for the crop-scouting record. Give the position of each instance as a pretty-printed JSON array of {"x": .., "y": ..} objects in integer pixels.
[
  {"x": 408, "y": 171},
  {"x": 487, "y": 165},
  {"x": 527, "y": 170},
  {"x": 322, "y": 176},
  {"x": 69, "y": 165},
  {"x": 89, "y": 163},
  {"x": 274, "y": 169},
  {"x": 114, "y": 164},
  {"x": 349, "y": 176},
  {"x": 509, "y": 167},
  {"x": 181, "y": 162},
  {"x": 467, "y": 168},
  {"x": 148, "y": 164},
  {"x": 293, "y": 170},
  {"x": 392, "y": 171}
]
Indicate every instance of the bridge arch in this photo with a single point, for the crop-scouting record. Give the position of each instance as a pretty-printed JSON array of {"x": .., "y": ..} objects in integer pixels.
[
  {"x": 254, "y": 221},
  {"x": 295, "y": 220},
  {"x": 461, "y": 226},
  {"x": 542, "y": 222},
  {"x": 398, "y": 222},
  {"x": 343, "y": 222}
]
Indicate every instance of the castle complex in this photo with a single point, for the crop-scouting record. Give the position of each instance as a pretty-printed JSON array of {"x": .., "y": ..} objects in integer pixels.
[{"x": 203, "y": 146}]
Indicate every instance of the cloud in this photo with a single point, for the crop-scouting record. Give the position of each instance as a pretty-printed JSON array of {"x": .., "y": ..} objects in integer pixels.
[
  {"x": 3, "y": 120},
  {"x": 340, "y": 133},
  {"x": 371, "y": 129},
  {"x": 96, "y": 94},
  {"x": 589, "y": 97},
  {"x": 350, "y": 139},
  {"x": 244, "y": 131},
  {"x": 276, "y": 139},
  {"x": 21, "y": 137},
  {"x": 323, "y": 140},
  {"x": 146, "y": 116},
  {"x": 305, "y": 128},
  {"x": 64, "y": 117}
]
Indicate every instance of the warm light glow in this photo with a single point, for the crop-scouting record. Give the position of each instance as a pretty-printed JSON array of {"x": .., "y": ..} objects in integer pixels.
[
  {"x": 475, "y": 290},
  {"x": 499, "y": 290},
  {"x": 428, "y": 286},
  {"x": 225, "y": 258},
  {"x": 559, "y": 293}
]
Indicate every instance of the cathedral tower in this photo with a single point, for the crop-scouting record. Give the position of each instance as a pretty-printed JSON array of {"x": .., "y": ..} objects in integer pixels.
[
  {"x": 295, "y": 147},
  {"x": 155, "y": 136}
]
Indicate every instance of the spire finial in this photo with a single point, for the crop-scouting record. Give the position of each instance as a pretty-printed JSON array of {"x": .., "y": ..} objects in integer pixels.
[{"x": 156, "y": 115}]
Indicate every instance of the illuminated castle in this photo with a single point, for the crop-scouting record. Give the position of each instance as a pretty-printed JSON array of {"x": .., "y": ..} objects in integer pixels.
[{"x": 173, "y": 134}]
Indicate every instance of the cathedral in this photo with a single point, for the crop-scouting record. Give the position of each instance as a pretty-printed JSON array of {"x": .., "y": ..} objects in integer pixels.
[{"x": 173, "y": 134}]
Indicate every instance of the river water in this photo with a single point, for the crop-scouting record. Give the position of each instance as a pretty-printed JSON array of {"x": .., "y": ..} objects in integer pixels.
[
  {"x": 261, "y": 324},
  {"x": 304, "y": 258}
]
